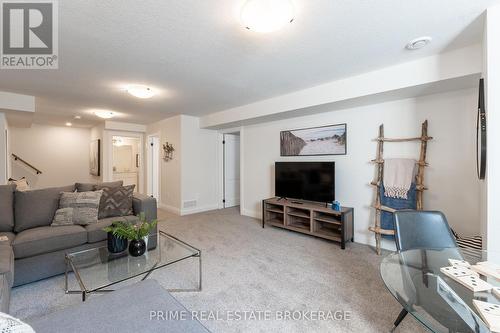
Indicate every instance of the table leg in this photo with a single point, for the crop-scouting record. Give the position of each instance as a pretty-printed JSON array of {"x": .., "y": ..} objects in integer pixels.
[
  {"x": 400, "y": 318},
  {"x": 199, "y": 270}
]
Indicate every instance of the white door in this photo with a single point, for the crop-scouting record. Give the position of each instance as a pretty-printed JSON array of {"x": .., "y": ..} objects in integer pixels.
[
  {"x": 154, "y": 167},
  {"x": 231, "y": 170}
]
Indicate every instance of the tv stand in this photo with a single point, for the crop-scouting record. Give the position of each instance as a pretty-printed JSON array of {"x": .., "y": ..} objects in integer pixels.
[{"x": 310, "y": 218}]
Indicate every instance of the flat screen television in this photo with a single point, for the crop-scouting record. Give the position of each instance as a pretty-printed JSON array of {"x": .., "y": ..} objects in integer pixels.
[{"x": 311, "y": 181}]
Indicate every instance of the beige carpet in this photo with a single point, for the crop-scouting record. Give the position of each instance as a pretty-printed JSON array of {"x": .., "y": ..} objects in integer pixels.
[{"x": 247, "y": 268}]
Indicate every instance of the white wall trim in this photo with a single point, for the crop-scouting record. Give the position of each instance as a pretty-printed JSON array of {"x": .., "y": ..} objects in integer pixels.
[
  {"x": 418, "y": 73},
  {"x": 120, "y": 126},
  {"x": 17, "y": 102},
  {"x": 189, "y": 211},
  {"x": 170, "y": 209}
]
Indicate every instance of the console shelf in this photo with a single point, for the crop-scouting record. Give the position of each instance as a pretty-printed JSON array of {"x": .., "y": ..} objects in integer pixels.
[{"x": 310, "y": 218}]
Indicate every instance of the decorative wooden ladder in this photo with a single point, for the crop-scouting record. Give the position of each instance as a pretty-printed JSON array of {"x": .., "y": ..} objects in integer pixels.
[{"x": 377, "y": 229}]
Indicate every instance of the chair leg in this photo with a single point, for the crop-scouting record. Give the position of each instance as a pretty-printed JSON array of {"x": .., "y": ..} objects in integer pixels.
[{"x": 400, "y": 318}]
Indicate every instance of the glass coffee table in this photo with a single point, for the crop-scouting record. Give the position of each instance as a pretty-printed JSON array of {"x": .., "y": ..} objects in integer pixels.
[{"x": 96, "y": 269}]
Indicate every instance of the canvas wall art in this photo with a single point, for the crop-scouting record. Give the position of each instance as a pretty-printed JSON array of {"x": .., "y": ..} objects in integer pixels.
[
  {"x": 95, "y": 158},
  {"x": 324, "y": 140}
]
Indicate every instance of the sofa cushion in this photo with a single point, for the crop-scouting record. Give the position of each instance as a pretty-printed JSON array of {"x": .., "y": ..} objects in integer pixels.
[
  {"x": 41, "y": 240},
  {"x": 7, "y": 207},
  {"x": 36, "y": 208},
  {"x": 95, "y": 232},
  {"x": 77, "y": 208},
  {"x": 116, "y": 201},
  {"x": 86, "y": 187}
]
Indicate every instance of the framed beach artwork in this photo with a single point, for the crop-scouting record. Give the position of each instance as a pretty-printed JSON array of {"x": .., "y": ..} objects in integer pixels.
[
  {"x": 324, "y": 140},
  {"x": 95, "y": 158}
]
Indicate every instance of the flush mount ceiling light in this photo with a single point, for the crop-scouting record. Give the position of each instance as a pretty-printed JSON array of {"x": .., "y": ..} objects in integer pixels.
[
  {"x": 266, "y": 15},
  {"x": 78, "y": 117},
  {"x": 418, "y": 43},
  {"x": 140, "y": 91},
  {"x": 69, "y": 124},
  {"x": 104, "y": 114}
]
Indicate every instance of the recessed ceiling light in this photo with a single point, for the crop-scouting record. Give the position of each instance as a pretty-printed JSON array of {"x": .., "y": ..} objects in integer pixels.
[
  {"x": 69, "y": 124},
  {"x": 104, "y": 114},
  {"x": 266, "y": 15},
  {"x": 418, "y": 43},
  {"x": 140, "y": 91},
  {"x": 78, "y": 117}
]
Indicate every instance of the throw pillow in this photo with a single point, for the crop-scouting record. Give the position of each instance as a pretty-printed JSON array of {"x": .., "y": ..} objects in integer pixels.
[
  {"x": 116, "y": 201},
  {"x": 85, "y": 187},
  {"x": 9, "y": 324},
  {"x": 77, "y": 208},
  {"x": 21, "y": 184}
]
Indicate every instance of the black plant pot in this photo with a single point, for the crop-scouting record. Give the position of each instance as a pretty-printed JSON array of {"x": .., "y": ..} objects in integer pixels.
[
  {"x": 137, "y": 247},
  {"x": 116, "y": 244}
]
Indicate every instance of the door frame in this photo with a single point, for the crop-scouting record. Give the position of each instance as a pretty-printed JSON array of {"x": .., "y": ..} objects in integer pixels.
[
  {"x": 149, "y": 160},
  {"x": 220, "y": 166},
  {"x": 108, "y": 155}
]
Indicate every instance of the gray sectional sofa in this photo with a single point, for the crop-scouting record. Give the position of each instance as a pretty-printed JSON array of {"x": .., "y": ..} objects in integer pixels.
[{"x": 35, "y": 250}]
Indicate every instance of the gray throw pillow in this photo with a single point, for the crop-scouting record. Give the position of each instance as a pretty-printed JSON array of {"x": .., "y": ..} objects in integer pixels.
[
  {"x": 86, "y": 187},
  {"x": 77, "y": 208},
  {"x": 36, "y": 208},
  {"x": 116, "y": 201}
]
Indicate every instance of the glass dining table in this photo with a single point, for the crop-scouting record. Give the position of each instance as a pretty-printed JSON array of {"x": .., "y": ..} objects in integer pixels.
[{"x": 437, "y": 301}]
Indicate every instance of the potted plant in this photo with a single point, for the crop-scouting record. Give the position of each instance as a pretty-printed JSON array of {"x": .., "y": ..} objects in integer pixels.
[
  {"x": 135, "y": 233},
  {"x": 116, "y": 244}
]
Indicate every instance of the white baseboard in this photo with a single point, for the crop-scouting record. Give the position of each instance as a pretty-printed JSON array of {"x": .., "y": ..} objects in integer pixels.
[
  {"x": 251, "y": 213},
  {"x": 169, "y": 208},
  {"x": 188, "y": 211}
]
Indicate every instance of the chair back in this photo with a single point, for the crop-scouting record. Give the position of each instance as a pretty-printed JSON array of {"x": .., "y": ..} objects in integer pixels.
[{"x": 417, "y": 229}]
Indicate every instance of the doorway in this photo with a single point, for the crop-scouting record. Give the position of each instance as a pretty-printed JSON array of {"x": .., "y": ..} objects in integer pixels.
[
  {"x": 153, "y": 148},
  {"x": 231, "y": 170},
  {"x": 126, "y": 160}
]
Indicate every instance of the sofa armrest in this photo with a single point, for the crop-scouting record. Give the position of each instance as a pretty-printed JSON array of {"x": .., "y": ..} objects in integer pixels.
[{"x": 143, "y": 204}]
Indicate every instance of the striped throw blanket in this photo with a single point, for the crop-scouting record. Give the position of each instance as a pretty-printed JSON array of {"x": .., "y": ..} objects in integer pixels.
[{"x": 471, "y": 246}]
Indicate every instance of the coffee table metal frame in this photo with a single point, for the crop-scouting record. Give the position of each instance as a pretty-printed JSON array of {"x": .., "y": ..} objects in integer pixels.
[{"x": 84, "y": 291}]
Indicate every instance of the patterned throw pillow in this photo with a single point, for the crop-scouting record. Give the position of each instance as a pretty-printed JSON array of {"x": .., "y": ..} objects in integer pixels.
[
  {"x": 77, "y": 208},
  {"x": 116, "y": 201},
  {"x": 9, "y": 324}
]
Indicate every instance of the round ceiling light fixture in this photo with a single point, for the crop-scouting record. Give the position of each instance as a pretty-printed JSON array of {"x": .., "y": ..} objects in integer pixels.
[
  {"x": 140, "y": 91},
  {"x": 266, "y": 15},
  {"x": 69, "y": 124},
  {"x": 418, "y": 43},
  {"x": 104, "y": 114}
]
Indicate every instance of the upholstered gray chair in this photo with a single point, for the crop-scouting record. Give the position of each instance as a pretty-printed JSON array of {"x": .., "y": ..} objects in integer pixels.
[{"x": 417, "y": 229}]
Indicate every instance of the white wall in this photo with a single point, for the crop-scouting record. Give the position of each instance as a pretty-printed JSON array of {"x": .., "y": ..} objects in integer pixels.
[
  {"x": 170, "y": 172},
  {"x": 451, "y": 177},
  {"x": 492, "y": 74},
  {"x": 199, "y": 166},
  {"x": 61, "y": 153}
]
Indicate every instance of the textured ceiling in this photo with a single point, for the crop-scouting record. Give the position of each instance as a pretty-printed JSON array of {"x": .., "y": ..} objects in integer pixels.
[{"x": 202, "y": 61}]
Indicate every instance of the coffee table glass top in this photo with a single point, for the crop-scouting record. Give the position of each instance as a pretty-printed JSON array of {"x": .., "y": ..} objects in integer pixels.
[
  {"x": 440, "y": 303},
  {"x": 96, "y": 269}
]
